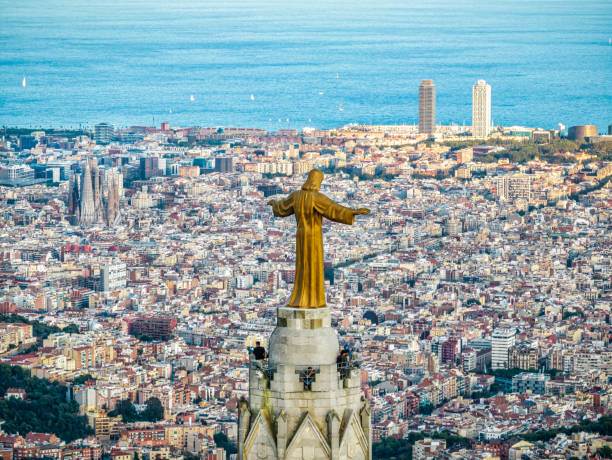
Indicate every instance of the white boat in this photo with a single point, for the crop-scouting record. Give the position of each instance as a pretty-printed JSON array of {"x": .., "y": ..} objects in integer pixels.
[{"x": 23, "y": 83}]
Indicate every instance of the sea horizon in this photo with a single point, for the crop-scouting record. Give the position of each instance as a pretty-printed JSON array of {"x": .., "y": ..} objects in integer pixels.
[{"x": 275, "y": 66}]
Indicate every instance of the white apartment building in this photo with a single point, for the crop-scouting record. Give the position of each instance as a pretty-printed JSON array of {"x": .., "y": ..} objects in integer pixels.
[
  {"x": 428, "y": 448},
  {"x": 501, "y": 341},
  {"x": 578, "y": 362},
  {"x": 244, "y": 281},
  {"x": 114, "y": 276},
  {"x": 511, "y": 187},
  {"x": 142, "y": 200},
  {"x": 481, "y": 109}
]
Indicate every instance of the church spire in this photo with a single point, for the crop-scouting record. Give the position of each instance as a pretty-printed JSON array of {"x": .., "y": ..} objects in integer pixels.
[{"x": 88, "y": 213}]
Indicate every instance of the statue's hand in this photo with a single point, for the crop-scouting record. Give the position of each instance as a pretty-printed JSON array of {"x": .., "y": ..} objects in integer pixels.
[{"x": 362, "y": 211}]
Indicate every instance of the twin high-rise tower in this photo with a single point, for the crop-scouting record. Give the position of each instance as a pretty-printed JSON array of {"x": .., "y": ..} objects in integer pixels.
[
  {"x": 481, "y": 108},
  {"x": 427, "y": 107}
]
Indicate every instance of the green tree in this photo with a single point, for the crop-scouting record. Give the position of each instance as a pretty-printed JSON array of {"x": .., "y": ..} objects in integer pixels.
[
  {"x": 401, "y": 449},
  {"x": 126, "y": 409},
  {"x": 31, "y": 349},
  {"x": 605, "y": 452},
  {"x": 222, "y": 441},
  {"x": 71, "y": 329},
  {"x": 81, "y": 379},
  {"x": 154, "y": 410},
  {"x": 426, "y": 409},
  {"x": 39, "y": 329},
  {"x": 391, "y": 448},
  {"x": 45, "y": 409},
  {"x": 602, "y": 426}
]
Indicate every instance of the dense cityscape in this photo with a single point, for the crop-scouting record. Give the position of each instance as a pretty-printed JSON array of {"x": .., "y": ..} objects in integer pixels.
[{"x": 139, "y": 267}]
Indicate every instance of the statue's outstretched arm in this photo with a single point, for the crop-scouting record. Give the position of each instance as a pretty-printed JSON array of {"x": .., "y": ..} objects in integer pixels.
[
  {"x": 336, "y": 212},
  {"x": 282, "y": 208}
]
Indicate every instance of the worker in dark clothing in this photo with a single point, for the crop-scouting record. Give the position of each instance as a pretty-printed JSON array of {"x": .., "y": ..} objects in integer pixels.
[
  {"x": 345, "y": 361},
  {"x": 309, "y": 375},
  {"x": 259, "y": 352}
]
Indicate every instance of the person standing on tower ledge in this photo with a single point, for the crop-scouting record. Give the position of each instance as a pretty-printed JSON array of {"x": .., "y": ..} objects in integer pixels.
[
  {"x": 259, "y": 352},
  {"x": 309, "y": 207}
]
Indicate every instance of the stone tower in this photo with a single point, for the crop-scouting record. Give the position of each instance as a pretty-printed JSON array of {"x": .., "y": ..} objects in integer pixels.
[
  {"x": 87, "y": 211},
  {"x": 112, "y": 203},
  {"x": 97, "y": 194},
  {"x": 302, "y": 404},
  {"x": 74, "y": 199}
]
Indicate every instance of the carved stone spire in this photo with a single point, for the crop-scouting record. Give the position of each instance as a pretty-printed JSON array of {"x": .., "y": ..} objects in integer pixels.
[
  {"x": 302, "y": 403},
  {"x": 88, "y": 210}
]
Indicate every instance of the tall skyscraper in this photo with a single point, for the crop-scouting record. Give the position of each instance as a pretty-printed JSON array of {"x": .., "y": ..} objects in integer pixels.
[
  {"x": 151, "y": 167},
  {"x": 481, "y": 109},
  {"x": 427, "y": 107},
  {"x": 104, "y": 133},
  {"x": 501, "y": 342}
]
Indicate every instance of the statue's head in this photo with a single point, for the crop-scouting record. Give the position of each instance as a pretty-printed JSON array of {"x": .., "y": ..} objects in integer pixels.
[{"x": 312, "y": 184}]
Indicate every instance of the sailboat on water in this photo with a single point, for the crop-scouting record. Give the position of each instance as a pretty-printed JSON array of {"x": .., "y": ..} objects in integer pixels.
[{"x": 23, "y": 82}]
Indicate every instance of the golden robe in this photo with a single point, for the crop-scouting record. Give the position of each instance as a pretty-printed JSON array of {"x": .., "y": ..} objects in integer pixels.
[{"x": 309, "y": 208}]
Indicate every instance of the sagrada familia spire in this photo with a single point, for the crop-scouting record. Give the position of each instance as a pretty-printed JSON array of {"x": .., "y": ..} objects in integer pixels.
[
  {"x": 87, "y": 204},
  {"x": 92, "y": 199}
]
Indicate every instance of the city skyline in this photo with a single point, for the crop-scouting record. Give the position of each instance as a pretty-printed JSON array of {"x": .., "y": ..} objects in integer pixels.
[
  {"x": 481, "y": 121},
  {"x": 258, "y": 230},
  {"x": 477, "y": 283}
]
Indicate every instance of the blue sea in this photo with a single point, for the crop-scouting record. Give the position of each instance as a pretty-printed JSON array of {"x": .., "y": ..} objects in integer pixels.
[{"x": 280, "y": 64}]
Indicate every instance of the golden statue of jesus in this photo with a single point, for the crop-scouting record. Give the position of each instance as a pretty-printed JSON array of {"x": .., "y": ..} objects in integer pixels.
[{"x": 309, "y": 207}]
